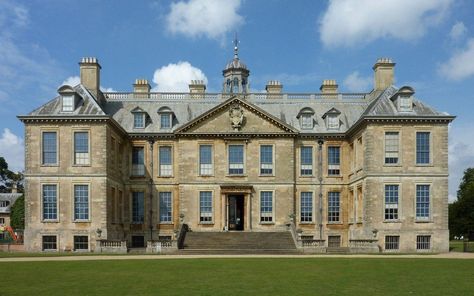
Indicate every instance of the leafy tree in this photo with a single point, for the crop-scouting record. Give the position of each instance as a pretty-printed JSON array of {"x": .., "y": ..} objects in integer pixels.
[
  {"x": 8, "y": 178},
  {"x": 17, "y": 213},
  {"x": 461, "y": 212}
]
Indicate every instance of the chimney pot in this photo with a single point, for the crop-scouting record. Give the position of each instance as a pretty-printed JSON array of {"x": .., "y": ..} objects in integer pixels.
[
  {"x": 383, "y": 73},
  {"x": 90, "y": 75}
]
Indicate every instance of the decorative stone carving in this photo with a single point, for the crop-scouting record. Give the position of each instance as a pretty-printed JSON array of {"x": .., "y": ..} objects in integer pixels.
[{"x": 236, "y": 115}]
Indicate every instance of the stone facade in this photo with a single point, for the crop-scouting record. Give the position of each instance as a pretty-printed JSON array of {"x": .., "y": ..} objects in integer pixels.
[{"x": 346, "y": 199}]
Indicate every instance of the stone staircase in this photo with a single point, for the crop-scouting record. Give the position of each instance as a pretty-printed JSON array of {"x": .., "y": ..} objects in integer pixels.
[
  {"x": 238, "y": 243},
  {"x": 338, "y": 250}
]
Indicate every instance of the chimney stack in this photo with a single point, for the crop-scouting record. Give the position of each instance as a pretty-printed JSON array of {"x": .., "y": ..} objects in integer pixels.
[
  {"x": 383, "y": 73},
  {"x": 197, "y": 88},
  {"x": 329, "y": 88},
  {"x": 274, "y": 87},
  {"x": 14, "y": 188},
  {"x": 141, "y": 88},
  {"x": 90, "y": 75}
]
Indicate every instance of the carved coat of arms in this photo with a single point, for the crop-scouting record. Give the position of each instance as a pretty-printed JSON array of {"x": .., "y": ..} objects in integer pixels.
[{"x": 236, "y": 115}]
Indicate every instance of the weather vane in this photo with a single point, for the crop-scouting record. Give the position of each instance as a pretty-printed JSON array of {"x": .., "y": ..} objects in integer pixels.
[{"x": 236, "y": 46}]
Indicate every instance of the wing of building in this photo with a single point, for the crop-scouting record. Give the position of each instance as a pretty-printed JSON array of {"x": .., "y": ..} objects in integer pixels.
[{"x": 364, "y": 172}]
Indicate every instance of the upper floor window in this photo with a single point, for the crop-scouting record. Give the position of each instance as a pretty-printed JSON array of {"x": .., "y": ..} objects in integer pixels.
[
  {"x": 4, "y": 204},
  {"x": 139, "y": 120},
  {"x": 165, "y": 120},
  {"x": 334, "y": 206},
  {"x": 334, "y": 161},
  {"x": 333, "y": 122},
  {"x": 166, "y": 168},
  {"x": 50, "y": 148},
  {"x": 266, "y": 159},
  {"x": 138, "y": 207},
  {"x": 165, "y": 207},
  {"x": 236, "y": 159},
  {"x": 81, "y": 202},
  {"x": 138, "y": 161},
  {"x": 391, "y": 147},
  {"x": 81, "y": 148},
  {"x": 306, "y": 118},
  {"x": 205, "y": 160},
  {"x": 404, "y": 99},
  {"x": 50, "y": 202},
  {"x": 391, "y": 202},
  {"x": 68, "y": 103},
  {"x": 422, "y": 147},
  {"x": 422, "y": 202},
  {"x": 306, "y": 161},
  {"x": 405, "y": 104}
]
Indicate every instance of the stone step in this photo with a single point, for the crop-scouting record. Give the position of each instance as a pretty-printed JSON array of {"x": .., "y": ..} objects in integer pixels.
[
  {"x": 238, "y": 252},
  {"x": 339, "y": 250}
]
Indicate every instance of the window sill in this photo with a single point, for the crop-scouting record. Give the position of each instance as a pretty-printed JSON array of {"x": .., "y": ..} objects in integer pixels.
[
  {"x": 137, "y": 177},
  {"x": 206, "y": 176},
  {"x": 334, "y": 176},
  {"x": 307, "y": 223},
  {"x": 392, "y": 165},
  {"x": 335, "y": 223},
  {"x": 423, "y": 221},
  {"x": 307, "y": 176},
  {"x": 50, "y": 165},
  {"x": 424, "y": 164},
  {"x": 82, "y": 221},
  {"x": 266, "y": 175},
  {"x": 49, "y": 221},
  {"x": 236, "y": 175},
  {"x": 81, "y": 165},
  {"x": 206, "y": 223},
  {"x": 267, "y": 223},
  {"x": 165, "y": 177},
  {"x": 166, "y": 223},
  {"x": 392, "y": 221}
]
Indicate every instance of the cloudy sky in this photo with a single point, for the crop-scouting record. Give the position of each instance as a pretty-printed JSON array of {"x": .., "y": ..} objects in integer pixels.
[{"x": 299, "y": 43}]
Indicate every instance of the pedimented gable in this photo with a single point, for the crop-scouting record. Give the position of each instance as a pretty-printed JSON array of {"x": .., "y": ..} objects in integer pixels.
[{"x": 236, "y": 116}]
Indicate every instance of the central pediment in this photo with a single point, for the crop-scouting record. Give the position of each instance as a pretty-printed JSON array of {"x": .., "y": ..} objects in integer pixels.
[{"x": 236, "y": 116}]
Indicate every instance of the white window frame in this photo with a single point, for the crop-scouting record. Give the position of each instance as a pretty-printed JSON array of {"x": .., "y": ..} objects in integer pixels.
[
  {"x": 74, "y": 243},
  {"x": 405, "y": 103},
  {"x": 142, "y": 114},
  {"x": 73, "y": 201},
  {"x": 82, "y": 157},
  {"x": 397, "y": 242},
  {"x": 333, "y": 121},
  {"x": 236, "y": 165},
  {"x": 68, "y": 103},
  {"x": 266, "y": 215},
  {"x": 269, "y": 166},
  {"x": 206, "y": 169},
  {"x": 430, "y": 205},
  {"x": 169, "y": 120},
  {"x": 165, "y": 170},
  {"x": 42, "y": 243},
  {"x": 392, "y": 206},
  {"x": 339, "y": 221},
  {"x": 160, "y": 207},
  {"x": 43, "y": 220},
  {"x": 306, "y": 166},
  {"x": 421, "y": 245},
  {"x": 312, "y": 208},
  {"x": 306, "y": 121},
  {"x": 42, "y": 147},
  {"x": 392, "y": 153},
  {"x": 430, "y": 163},
  {"x": 207, "y": 214},
  {"x": 334, "y": 166},
  {"x": 138, "y": 170}
]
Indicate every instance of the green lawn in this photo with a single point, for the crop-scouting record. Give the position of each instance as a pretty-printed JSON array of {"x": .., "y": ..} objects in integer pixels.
[{"x": 319, "y": 276}]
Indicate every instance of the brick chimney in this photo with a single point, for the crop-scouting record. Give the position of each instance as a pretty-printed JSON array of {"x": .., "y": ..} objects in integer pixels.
[
  {"x": 383, "y": 73},
  {"x": 329, "y": 88},
  {"x": 141, "y": 88},
  {"x": 90, "y": 75},
  {"x": 197, "y": 87},
  {"x": 274, "y": 87}
]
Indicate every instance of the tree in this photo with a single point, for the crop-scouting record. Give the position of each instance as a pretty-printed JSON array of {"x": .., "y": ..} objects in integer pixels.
[
  {"x": 17, "y": 213},
  {"x": 461, "y": 212},
  {"x": 9, "y": 178}
]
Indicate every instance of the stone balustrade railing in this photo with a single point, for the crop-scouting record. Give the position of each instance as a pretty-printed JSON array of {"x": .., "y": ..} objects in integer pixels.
[
  {"x": 162, "y": 246},
  {"x": 314, "y": 243},
  {"x": 111, "y": 246},
  {"x": 363, "y": 245},
  {"x": 222, "y": 97}
]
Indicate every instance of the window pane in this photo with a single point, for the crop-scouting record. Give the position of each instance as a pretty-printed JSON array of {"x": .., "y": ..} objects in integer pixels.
[
  {"x": 422, "y": 147},
  {"x": 139, "y": 120},
  {"x": 205, "y": 206},
  {"x": 392, "y": 242},
  {"x": 266, "y": 206},
  {"x": 138, "y": 161},
  {"x": 334, "y": 160},
  {"x": 266, "y": 159},
  {"x": 49, "y": 242},
  {"x": 49, "y": 148},
  {"x": 138, "y": 207},
  {"x": 81, "y": 148},
  {"x": 306, "y": 121},
  {"x": 391, "y": 147},
  {"x": 333, "y": 122},
  {"x": 306, "y": 207},
  {"x": 333, "y": 206},
  {"x": 81, "y": 242},
  {"x": 423, "y": 242},
  {"x": 68, "y": 103},
  {"x": 165, "y": 161},
  {"x": 81, "y": 202},
  {"x": 422, "y": 202},
  {"x": 165, "y": 120},
  {"x": 165, "y": 206},
  {"x": 306, "y": 160},
  {"x": 205, "y": 160},
  {"x": 391, "y": 202},
  {"x": 236, "y": 159},
  {"x": 50, "y": 202}
]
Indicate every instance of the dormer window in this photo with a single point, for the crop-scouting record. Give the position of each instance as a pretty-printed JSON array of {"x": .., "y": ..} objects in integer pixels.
[
  {"x": 68, "y": 103},
  {"x": 138, "y": 120},
  {"x": 403, "y": 99},
  {"x": 405, "y": 104},
  {"x": 166, "y": 118},
  {"x": 68, "y": 98},
  {"x": 306, "y": 118},
  {"x": 332, "y": 119}
]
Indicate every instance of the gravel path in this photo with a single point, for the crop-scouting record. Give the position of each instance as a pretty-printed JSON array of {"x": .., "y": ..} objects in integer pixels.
[{"x": 452, "y": 255}]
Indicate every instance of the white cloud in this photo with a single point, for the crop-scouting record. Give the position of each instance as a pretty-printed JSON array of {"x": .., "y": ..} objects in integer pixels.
[
  {"x": 12, "y": 149},
  {"x": 176, "y": 77},
  {"x": 72, "y": 81},
  {"x": 355, "y": 83},
  {"x": 457, "y": 31},
  {"x": 210, "y": 18},
  {"x": 350, "y": 22},
  {"x": 461, "y": 63},
  {"x": 461, "y": 155}
]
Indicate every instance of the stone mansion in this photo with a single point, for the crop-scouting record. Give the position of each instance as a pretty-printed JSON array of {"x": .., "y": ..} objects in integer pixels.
[{"x": 364, "y": 171}]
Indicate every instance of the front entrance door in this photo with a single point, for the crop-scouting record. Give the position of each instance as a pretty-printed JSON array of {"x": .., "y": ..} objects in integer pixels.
[{"x": 236, "y": 212}]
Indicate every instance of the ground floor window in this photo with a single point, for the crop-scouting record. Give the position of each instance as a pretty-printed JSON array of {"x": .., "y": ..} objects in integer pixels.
[
  {"x": 266, "y": 206},
  {"x": 50, "y": 242},
  {"x": 165, "y": 207},
  {"x": 392, "y": 242},
  {"x": 423, "y": 242},
  {"x": 138, "y": 241},
  {"x": 205, "y": 206},
  {"x": 306, "y": 207},
  {"x": 81, "y": 242}
]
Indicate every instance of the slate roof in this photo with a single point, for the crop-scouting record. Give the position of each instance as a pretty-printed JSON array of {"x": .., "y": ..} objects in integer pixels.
[
  {"x": 11, "y": 197},
  {"x": 287, "y": 109}
]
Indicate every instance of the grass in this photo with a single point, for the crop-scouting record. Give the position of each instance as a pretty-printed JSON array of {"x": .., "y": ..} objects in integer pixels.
[
  {"x": 458, "y": 246},
  {"x": 321, "y": 276}
]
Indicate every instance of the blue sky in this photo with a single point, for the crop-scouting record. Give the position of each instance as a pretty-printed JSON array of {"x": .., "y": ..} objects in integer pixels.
[{"x": 299, "y": 43}]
